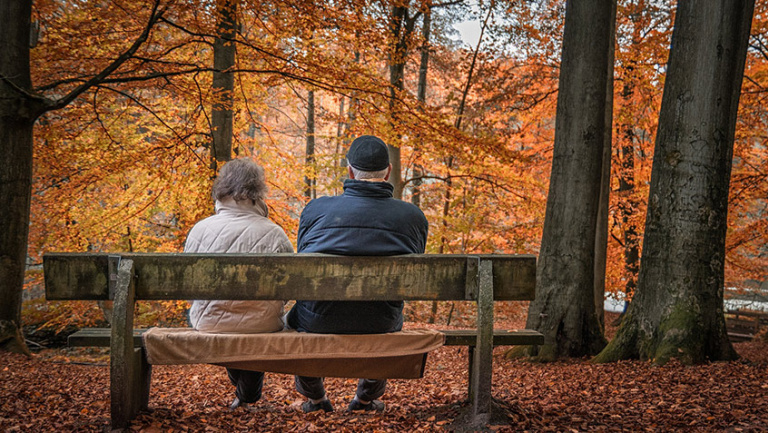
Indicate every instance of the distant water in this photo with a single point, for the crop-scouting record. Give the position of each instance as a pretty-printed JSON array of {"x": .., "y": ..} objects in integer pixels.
[{"x": 744, "y": 303}]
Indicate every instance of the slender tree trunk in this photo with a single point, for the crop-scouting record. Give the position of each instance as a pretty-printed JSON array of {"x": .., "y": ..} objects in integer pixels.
[
  {"x": 627, "y": 203},
  {"x": 224, "y": 51},
  {"x": 677, "y": 311},
  {"x": 601, "y": 234},
  {"x": 18, "y": 112},
  {"x": 341, "y": 130},
  {"x": 309, "y": 161},
  {"x": 421, "y": 96},
  {"x": 397, "y": 57},
  {"x": 564, "y": 309},
  {"x": 627, "y": 208},
  {"x": 351, "y": 118}
]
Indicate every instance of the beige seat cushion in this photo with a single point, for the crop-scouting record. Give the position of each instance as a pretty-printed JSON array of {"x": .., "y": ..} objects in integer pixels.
[{"x": 398, "y": 355}]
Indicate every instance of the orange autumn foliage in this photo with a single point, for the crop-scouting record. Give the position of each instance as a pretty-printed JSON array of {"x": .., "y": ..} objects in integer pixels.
[{"x": 127, "y": 166}]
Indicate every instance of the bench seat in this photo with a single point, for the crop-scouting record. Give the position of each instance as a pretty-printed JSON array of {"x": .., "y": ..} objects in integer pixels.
[{"x": 99, "y": 337}]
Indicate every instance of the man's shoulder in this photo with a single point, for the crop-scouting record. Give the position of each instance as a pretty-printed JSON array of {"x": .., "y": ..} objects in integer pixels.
[
  {"x": 320, "y": 203},
  {"x": 409, "y": 208}
]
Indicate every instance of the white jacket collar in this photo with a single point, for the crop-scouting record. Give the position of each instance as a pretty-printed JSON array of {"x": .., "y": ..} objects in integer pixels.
[{"x": 229, "y": 204}]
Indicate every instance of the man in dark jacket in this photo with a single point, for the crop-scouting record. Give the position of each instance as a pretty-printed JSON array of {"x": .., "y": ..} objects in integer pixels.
[{"x": 364, "y": 221}]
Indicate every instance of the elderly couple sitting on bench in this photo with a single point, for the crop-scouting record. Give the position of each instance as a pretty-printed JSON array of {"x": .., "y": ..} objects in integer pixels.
[{"x": 364, "y": 221}]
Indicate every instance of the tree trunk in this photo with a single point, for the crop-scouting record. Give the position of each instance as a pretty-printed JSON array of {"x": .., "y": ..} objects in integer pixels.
[
  {"x": 397, "y": 57},
  {"x": 677, "y": 311},
  {"x": 627, "y": 207},
  {"x": 627, "y": 203},
  {"x": 601, "y": 234},
  {"x": 18, "y": 112},
  {"x": 401, "y": 27},
  {"x": 309, "y": 159},
  {"x": 421, "y": 96},
  {"x": 564, "y": 309},
  {"x": 19, "y": 108},
  {"x": 224, "y": 79}
]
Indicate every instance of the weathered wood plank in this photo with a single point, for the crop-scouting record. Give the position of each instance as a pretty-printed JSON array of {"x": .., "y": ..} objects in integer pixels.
[
  {"x": 99, "y": 337},
  {"x": 159, "y": 276},
  {"x": 482, "y": 362},
  {"x": 76, "y": 276},
  {"x": 501, "y": 337}
]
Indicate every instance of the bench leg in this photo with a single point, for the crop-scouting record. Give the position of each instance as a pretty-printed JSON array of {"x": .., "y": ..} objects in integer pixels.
[
  {"x": 471, "y": 359},
  {"x": 128, "y": 370},
  {"x": 481, "y": 357},
  {"x": 144, "y": 379}
]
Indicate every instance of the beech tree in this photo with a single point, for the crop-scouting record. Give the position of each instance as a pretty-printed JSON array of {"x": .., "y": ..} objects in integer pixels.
[
  {"x": 20, "y": 107},
  {"x": 564, "y": 309},
  {"x": 677, "y": 311}
]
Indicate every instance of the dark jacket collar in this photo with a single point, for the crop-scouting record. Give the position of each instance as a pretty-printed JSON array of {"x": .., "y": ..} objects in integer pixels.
[{"x": 362, "y": 188}]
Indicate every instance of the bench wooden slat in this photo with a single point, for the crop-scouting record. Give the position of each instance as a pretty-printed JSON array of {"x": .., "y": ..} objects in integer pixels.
[
  {"x": 100, "y": 337},
  {"x": 501, "y": 337},
  {"x": 161, "y": 276}
]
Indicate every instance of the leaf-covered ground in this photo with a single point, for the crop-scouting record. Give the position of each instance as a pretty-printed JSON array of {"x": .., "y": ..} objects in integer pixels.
[{"x": 67, "y": 390}]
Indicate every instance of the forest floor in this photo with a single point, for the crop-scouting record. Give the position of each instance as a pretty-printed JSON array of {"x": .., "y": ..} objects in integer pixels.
[{"x": 66, "y": 390}]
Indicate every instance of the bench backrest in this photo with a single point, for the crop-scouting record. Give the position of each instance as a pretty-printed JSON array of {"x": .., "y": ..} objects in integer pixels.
[{"x": 164, "y": 276}]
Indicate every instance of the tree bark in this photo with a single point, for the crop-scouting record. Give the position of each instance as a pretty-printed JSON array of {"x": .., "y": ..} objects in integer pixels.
[
  {"x": 18, "y": 111},
  {"x": 564, "y": 309},
  {"x": 677, "y": 311},
  {"x": 224, "y": 51}
]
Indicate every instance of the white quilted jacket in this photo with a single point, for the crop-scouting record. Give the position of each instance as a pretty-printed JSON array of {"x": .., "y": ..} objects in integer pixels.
[{"x": 237, "y": 227}]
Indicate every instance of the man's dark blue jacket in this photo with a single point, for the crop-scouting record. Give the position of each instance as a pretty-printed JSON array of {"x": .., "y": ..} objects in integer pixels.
[{"x": 364, "y": 221}]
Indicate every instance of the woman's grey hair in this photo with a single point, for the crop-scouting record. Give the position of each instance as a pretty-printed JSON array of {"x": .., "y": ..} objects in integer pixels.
[
  {"x": 241, "y": 179},
  {"x": 360, "y": 174}
]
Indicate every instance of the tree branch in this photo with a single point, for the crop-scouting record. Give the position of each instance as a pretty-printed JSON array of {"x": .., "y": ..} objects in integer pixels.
[{"x": 112, "y": 67}]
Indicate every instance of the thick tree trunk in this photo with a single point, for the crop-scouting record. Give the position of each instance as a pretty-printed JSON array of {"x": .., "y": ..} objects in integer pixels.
[
  {"x": 224, "y": 51},
  {"x": 678, "y": 308},
  {"x": 18, "y": 111},
  {"x": 309, "y": 158},
  {"x": 564, "y": 309}
]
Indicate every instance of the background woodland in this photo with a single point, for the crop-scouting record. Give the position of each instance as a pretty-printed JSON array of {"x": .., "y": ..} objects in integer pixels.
[{"x": 128, "y": 164}]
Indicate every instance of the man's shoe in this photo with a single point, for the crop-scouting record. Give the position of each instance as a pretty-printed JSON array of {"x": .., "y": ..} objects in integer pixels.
[
  {"x": 237, "y": 403},
  {"x": 375, "y": 405},
  {"x": 325, "y": 405}
]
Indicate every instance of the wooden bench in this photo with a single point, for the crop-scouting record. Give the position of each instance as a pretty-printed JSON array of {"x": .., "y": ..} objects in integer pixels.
[
  {"x": 126, "y": 278},
  {"x": 744, "y": 325}
]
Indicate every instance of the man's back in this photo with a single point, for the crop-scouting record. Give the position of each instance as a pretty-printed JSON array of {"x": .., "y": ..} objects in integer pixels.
[{"x": 365, "y": 220}]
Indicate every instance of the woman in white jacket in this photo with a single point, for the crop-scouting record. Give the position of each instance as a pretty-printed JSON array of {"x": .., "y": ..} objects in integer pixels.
[{"x": 240, "y": 225}]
